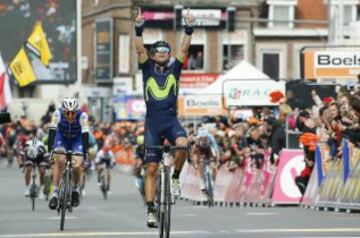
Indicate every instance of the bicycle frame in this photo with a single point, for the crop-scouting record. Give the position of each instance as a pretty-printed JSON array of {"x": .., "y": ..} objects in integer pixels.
[
  {"x": 166, "y": 197},
  {"x": 65, "y": 189},
  {"x": 33, "y": 188}
]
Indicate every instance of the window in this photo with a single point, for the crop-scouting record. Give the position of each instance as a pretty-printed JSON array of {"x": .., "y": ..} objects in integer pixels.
[
  {"x": 281, "y": 10},
  {"x": 237, "y": 54},
  {"x": 195, "y": 59},
  {"x": 349, "y": 14},
  {"x": 349, "y": 6},
  {"x": 271, "y": 59},
  {"x": 281, "y": 13},
  {"x": 270, "y": 65},
  {"x": 238, "y": 50}
]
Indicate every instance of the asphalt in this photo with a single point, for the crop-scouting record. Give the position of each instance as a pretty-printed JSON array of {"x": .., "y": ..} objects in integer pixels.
[{"x": 123, "y": 215}]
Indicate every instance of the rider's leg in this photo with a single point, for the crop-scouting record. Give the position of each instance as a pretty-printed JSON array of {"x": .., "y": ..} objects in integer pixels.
[
  {"x": 58, "y": 172},
  {"x": 200, "y": 171},
  {"x": 28, "y": 170},
  {"x": 180, "y": 156},
  {"x": 151, "y": 170},
  {"x": 77, "y": 171},
  {"x": 213, "y": 170},
  {"x": 42, "y": 172}
]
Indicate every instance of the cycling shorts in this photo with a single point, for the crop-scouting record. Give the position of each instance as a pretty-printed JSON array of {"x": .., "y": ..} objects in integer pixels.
[
  {"x": 75, "y": 144},
  {"x": 156, "y": 129}
]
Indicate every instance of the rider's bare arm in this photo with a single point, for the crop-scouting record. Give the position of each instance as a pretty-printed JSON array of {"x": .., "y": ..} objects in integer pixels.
[
  {"x": 186, "y": 41},
  {"x": 139, "y": 41}
]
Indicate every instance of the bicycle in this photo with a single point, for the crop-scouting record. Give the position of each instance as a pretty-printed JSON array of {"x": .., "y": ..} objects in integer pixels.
[
  {"x": 104, "y": 180},
  {"x": 207, "y": 178},
  {"x": 34, "y": 189},
  {"x": 65, "y": 188},
  {"x": 163, "y": 195}
]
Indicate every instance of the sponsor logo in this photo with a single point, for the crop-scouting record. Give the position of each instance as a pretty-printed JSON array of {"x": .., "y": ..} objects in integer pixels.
[{"x": 338, "y": 60}]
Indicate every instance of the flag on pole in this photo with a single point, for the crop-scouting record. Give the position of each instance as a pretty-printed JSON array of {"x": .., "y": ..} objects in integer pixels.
[
  {"x": 20, "y": 67},
  {"x": 5, "y": 92},
  {"x": 38, "y": 44}
]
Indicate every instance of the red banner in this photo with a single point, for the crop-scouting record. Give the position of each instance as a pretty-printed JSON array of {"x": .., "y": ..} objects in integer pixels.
[{"x": 197, "y": 80}]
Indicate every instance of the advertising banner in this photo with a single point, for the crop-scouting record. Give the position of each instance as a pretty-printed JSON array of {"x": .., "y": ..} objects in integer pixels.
[
  {"x": 104, "y": 50},
  {"x": 200, "y": 105},
  {"x": 59, "y": 27},
  {"x": 290, "y": 165},
  {"x": 240, "y": 93},
  {"x": 129, "y": 107},
  {"x": 341, "y": 62}
]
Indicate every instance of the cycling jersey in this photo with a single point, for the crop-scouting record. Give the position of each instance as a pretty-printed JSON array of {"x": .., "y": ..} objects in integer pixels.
[
  {"x": 35, "y": 153},
  {"x": 161, "y": 88},
  {"x": 108, "y": 159},
  {"x": 160, "y": 94},
  {"x": 69, "y": 135}
]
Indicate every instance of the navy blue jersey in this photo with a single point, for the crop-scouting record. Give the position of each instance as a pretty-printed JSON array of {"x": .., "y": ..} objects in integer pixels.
[{"x": 161, "y": 88}]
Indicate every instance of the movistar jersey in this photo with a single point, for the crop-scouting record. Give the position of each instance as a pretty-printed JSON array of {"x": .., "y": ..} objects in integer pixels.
[{"x": 161, "y": 88}]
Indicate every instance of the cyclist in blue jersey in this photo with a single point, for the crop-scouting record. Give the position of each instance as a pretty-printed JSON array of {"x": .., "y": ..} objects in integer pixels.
[
  {"x": 161, "y": 75},
  {"x": 69, "y": 130}
]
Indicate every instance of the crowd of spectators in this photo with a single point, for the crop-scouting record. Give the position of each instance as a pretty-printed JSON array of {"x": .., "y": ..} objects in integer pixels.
[{"x": 328, "y": 121}]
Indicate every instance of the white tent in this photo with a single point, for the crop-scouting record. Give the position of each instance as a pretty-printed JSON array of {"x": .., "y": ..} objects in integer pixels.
[{"x": 241, "y": 71}]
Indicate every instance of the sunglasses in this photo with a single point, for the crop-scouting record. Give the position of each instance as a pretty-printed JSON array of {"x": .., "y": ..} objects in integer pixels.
[
  {"x": 161, "y": 49},
  {"x": 69, "y": 113}
]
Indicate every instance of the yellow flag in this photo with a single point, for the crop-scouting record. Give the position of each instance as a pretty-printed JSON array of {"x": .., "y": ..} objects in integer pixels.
[
  {"x": 38, "y": 43},
  {"x": 21, "y": 68}
]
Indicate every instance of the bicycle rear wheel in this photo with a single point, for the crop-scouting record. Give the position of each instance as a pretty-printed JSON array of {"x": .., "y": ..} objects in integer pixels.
[
  {"x": 168, "y": 203},
  {"x": 33, "y": 196},
  {"x": 64, "y": 191},
  {"x": 33, "y": 192},
  {"x": 47, "y": 185},
  {"x": 104, "y": 187},
  {"x": 209, "y": 188}
]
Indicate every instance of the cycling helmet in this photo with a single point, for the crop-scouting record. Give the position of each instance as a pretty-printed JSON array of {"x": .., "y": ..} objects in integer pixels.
[
  {"x": 140, "y": 140},
  {"x": 162, "y": 45},
  {"x": 202, "y": 133},
  {"x": 70, "y": 104}
]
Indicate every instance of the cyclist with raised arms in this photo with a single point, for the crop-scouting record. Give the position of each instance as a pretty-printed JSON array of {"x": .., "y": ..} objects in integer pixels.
[
  {"x": 161, "y": 74},
  {"x": 69, "y": 130}
]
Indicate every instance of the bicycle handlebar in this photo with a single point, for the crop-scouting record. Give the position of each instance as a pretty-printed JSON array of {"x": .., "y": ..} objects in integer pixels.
[{"x": 168, "y": 148}]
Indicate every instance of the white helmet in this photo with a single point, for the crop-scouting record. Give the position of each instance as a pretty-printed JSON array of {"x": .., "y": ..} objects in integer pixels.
[
  {"x": 70, "y": 104},
  {"x": 202, "y": 133}
]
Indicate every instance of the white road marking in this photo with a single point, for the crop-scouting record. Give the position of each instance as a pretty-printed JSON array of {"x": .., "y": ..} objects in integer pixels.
[
  {"x": 324, "y": 237},
  {"x": 58, "y": 218},
  {"x": 189, "y": 215},
  {"x": 261, "y": 213},
  {"x": 101, "y": 234},
  {"x": 300, "y": 230}
]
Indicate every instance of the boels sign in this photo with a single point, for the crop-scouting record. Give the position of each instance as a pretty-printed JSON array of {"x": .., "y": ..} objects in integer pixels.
[{"x": 338, "y": 63}]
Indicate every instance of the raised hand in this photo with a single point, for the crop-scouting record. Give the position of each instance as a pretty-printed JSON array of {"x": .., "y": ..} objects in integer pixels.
[
  {"x": 189, "y": 19},
  {"x": 139, "y": 19}
]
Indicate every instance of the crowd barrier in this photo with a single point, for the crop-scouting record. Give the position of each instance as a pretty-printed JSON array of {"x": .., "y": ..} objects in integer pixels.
[
  {"x": 335, "y": 184},
  {"x": 267, "y": 185}
]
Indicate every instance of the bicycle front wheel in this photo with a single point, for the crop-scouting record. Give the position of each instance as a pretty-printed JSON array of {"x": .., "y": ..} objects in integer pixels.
[
  {"x": 210, "y": 190},
  {"x": 160, "y": 206},
  {"x": 64, "y": 191},
  {"x": 168, "y": 203}
]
